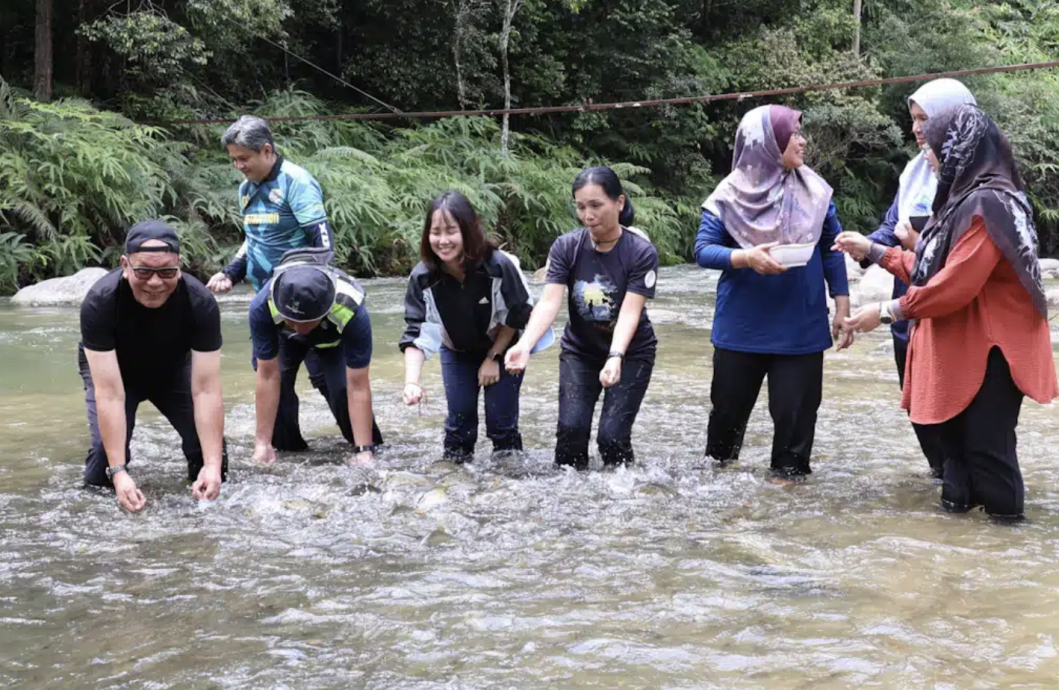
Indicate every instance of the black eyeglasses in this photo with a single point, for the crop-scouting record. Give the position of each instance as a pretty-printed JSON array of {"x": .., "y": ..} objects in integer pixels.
[{"x": 165, "y": 273}]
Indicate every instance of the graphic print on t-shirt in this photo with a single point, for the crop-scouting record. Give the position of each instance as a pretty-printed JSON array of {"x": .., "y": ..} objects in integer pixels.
[{"x": 595, "y": 301}]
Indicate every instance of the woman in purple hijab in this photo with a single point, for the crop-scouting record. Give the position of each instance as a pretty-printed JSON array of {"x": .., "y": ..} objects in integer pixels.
[{"x": 771, "y": 317}]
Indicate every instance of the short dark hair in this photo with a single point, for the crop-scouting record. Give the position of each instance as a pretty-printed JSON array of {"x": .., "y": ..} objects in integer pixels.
[
  {"x": 608, "y": 180},
  {"x": 476, "y": 246}
]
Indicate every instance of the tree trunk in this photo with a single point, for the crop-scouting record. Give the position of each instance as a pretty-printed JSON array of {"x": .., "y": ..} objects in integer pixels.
[
  {"x": 505, "y": 39},
  {"x": 83, "y": 62},
  {"x": 42, "y": 57},
  {"x": 460, "y": 9},
  {"x": 856, "y": 31}
]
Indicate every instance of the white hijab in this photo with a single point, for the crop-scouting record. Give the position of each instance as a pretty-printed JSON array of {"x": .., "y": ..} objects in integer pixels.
[{"x": 915, "y": 196}]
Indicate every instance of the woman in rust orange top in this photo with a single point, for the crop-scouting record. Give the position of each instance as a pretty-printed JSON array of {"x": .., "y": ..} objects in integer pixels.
[{"x": 980, "y": 339}]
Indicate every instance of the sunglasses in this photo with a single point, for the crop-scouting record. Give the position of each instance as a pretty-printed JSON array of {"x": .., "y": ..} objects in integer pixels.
[{"x": 165, "y": 273}]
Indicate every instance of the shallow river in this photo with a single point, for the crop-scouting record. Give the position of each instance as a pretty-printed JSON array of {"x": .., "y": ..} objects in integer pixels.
[{"x": 513, "y": 574}]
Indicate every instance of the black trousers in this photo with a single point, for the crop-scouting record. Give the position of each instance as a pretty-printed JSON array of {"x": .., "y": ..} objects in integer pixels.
[
  {"x": 579, "y": 389},
  {"x": 928, "y": 438},
  {"x": 795, "y": 391},
  {"x": 981, "y": 465},
  {"x": 171, "y": 395},
  {"x": 328, "y": 375}
]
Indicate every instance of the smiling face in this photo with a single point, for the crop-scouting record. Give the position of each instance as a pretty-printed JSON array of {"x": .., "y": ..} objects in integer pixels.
[
  {"x": 794, "y": 154},
  {"x": 597, "y": 211},
  {"x": 255, "y": 165},
  {"x": 446, "y": 239},
  {"x": 152, "y": 288},
  {"x": 919, "y": 117}
]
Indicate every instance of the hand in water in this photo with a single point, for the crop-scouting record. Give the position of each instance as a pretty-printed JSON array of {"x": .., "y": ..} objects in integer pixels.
[
  {"x": 516, "y": 359},
  {"x": 130, "y": 498},
  {"x": 365, "y": 459},
  {"x": 852, "y": 243},
  {"x": 208, "y": 485},
  {"x": 611, "y": 374},
  {"x": 264, "y": 453},
  {"x": 219, "y": 283}
]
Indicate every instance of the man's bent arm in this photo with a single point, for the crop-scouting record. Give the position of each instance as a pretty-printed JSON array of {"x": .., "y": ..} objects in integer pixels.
[
  {"x": 110, "y": 403},
  {"x": 358, "y": 397},
  {"x": 208, "y": 405},
  {"x": 266, "y": 399}
]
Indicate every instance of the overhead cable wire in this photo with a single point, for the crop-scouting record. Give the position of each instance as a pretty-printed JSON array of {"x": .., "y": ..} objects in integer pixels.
[
  {"x": 589, "y": 106},
  {"x": 395, "y": 111}
]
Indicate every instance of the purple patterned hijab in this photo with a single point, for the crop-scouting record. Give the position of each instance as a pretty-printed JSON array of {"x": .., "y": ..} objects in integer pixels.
[
  {"x": 761, "y": 201},
  {"x": 978, "y": 177}
]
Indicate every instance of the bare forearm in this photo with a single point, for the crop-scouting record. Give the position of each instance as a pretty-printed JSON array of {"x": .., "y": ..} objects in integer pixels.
[
  {"x": 110, "y": 411},
  {"x": 358, "y": 397},
  {"x": 543, "y": 315},
  {"x": 504, "y": 336},
  {"x": 628, "y": 322},
  {"x": 266, "y": 402},
  {"x": 413, "y": 364},
  {"x": 209, "y": 424}
]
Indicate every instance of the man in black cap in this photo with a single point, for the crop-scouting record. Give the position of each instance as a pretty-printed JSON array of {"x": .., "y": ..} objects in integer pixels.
[
  {"x": 149, "y": 333},
  {"x": 306, "y": 307}
]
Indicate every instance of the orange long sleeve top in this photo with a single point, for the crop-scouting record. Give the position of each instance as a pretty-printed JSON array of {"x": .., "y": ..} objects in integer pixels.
[{"x": 974, "y": 303}]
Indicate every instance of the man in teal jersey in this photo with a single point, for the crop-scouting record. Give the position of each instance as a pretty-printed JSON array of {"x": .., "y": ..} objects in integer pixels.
[
  {"x": 282, "y": 205},
  {"x": 283, "y": 209}
]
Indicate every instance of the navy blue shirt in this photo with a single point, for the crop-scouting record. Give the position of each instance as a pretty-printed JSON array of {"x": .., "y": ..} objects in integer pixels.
[
  {"x": 783, "y": 314},
  {"x": 886, "y": 237},
  {"x": 597, "y": 283},
  {"x": 355, "y": 338}
]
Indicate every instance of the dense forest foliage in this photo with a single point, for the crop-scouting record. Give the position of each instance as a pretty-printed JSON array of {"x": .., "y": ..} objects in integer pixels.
[{"x": 79, "y": 77}]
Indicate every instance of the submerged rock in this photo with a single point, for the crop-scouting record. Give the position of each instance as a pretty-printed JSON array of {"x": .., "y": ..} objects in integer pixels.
[
  {"x": 875, "y": 285},
  {"x": 70, "y": 290}
]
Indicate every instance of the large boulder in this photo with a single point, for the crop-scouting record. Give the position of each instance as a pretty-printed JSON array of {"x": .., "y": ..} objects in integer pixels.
[
  {"x": 875, "y": 285},
  {"x": 70, "y": 290}
]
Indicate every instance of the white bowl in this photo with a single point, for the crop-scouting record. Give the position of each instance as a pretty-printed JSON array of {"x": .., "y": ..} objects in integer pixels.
[{"x": 793, "y": 255}]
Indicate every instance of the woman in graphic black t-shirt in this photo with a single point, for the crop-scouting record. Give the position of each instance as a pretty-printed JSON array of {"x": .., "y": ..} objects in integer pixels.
[{"x": 609, "y": 343}]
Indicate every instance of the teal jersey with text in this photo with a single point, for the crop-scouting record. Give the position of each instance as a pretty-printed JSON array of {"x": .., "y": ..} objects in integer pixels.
[{"x": 285, "y": 211}]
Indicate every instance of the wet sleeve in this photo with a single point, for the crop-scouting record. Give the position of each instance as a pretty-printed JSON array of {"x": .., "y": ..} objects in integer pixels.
[
  {"x": 834, "y": 262},
  {"x": 515, "y": 291},
  {"x": 264, "y": 332},
  {"x": 710, "y": 243},
  {"x": 415, "y": 313},
  {"x": 643, "y": 274},
  {"x": 356, "y": 340},
  {"x": 560, "y": 261},
  {"x": 207, "y": 313},
  {"x": 99, "y": 331}
]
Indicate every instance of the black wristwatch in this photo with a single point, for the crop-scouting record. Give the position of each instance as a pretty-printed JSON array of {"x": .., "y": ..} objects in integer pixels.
[
  {"x": 497, "y": 357},
  {"x": 886, "y": 317},
  {"x": 115, "y": 470},
  {"x": 619, "y": 355},
  {"x": 364, "y": 449}
]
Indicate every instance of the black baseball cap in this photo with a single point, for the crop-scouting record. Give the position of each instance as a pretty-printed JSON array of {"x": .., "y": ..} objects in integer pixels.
[
  {"x": 147, "y": 230},
  {"x": 303, "y": 293}
]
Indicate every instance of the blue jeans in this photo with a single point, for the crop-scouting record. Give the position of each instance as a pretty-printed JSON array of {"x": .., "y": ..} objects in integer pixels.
[
  {"x": 327, "y": 373},
  {"x": 459, "y": 371},
  {"x": 579, "y": 389}
]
